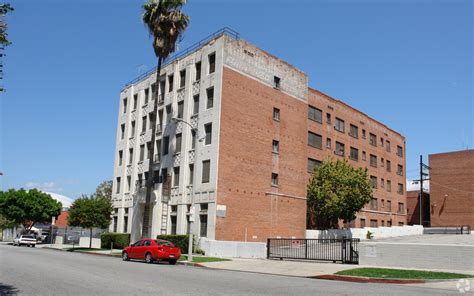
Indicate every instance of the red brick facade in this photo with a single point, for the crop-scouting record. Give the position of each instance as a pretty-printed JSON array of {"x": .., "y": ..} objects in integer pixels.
[{"x": 452, "y": 188}]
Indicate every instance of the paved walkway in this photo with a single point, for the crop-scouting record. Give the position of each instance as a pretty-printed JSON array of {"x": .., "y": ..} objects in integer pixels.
[{"x": 431, "y": 239}]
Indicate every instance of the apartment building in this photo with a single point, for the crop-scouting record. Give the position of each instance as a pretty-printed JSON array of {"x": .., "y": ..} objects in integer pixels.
[{"x": 248, "y": 131}]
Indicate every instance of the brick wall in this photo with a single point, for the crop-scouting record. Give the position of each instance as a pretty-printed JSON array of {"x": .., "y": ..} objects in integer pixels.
[
  {"x": 246, "y": 162},
  {"x": 451, "y": 188}
]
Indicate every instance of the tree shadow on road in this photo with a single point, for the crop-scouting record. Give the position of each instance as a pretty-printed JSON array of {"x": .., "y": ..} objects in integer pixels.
[{"x": 7, "y": 289}]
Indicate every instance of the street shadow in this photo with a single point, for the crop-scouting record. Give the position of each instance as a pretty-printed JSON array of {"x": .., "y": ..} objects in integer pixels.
[{"x": 7, "y": 289}]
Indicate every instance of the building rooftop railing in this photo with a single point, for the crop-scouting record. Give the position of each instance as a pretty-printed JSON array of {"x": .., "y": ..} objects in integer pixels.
[{"x": 178, "y": 55}]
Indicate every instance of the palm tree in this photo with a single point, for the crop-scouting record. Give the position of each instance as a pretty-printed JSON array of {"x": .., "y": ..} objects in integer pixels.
[{"x": 166, "y": 23}]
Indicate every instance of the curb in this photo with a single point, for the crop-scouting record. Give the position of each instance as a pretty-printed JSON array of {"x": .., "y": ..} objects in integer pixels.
[
  {"x": 360, "y": 279},
  {"x": 88, "y": 253},
  {"x": 186, "y": 263}
]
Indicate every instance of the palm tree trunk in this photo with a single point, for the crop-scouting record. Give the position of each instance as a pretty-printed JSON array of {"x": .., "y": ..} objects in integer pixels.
[{"x": 151, "y": 155}]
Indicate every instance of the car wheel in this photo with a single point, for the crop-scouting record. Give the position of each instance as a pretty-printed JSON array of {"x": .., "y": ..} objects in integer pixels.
[
  {"x": 148, "y": 258},
  {"x": 33, "y": 246},
  {"x": 172, "y": 262},
  {"x": 125, "y": 256}
]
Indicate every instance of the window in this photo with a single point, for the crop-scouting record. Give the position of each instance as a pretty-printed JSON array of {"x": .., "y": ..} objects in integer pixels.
[
  {"x": 354, "y": 154},
  {"x": 168, "y": 112},
  {"x": 166, "y": 144},
  {"x": 193, "y": 139},
  {"x": 176, "y": 177},
  {"x": 129, "y": 183},
  {"x": 364, "y": 155},
  {"x": 130, "y": 160},
  {"x": 143, "y": 124},
  {"x": 206, "y": 167},
  {"x": 373, "y": 139},
  {"x": 162, "y": 89},
  {"x": 400, "y": 151},
  {"x": 389, "y": 223},
  {"x": 135, "y": 101},
  {"x": 312, "y": 164},
  {"x": 147, "y": 92},
  {"x": 382, "y": 183},
  {"x": 389, "y": 186},
  {"x": 328, "y": 143},
  {"x": 315, "y": 140},
  {"x": 373, "y": 160},
  {"x": 170, "y": 83},
  {"x": 180, "y": 109},
  {"x": 208, "y": 131},
  {"x": 328, "y": 118},
  {"x": 276, "y": 114},
  {"x": 115, "y": 223},
  {"x": 381, "y": 142},
  {"x": 133, "y": 129},
  {"x": 153, "y": 89},
  {"x": 382, "y": 162},
  {"x": 389, "y": 205},
  {"x": 191, "y": 174},
  {"x": 373, "y": 204},
  {"x": 382, "y": 223},
  {"x": 401, "y": 208},
  {"x": 210, "y": 97},
  {"x": 389, "y": 166},
  {"x": 203, "y": 225},
  {"x": 122, "y": 131},
  {"x": 362, "y": 222},
  {"x": 373, "y": 182},
  {"x": 182, "y": 78},
  {"x": 276, "y": 81},
  {"x": 125, "y": 224},
  {"x": 173, "y": 224},
  {"x": 117, "y": 184},
  {"x": 400, "y": 223},
  {"x": 340, "y": 150},
  {"x": 142, "y": 152},
  {"x": 387, "y": 146},
  {"x": 339, "y": 125},
  {"x": 373, "y": 223},
  {"x": 178, "y": 143},
  {"x": 125, "y": 105},
  {"x": 197, "y": 68},
  {"x": 400, "y": 170},
  {"x": 275, "y": 146},
  {"x": 196, "y": 104},
  {"x": 212, "y": 62},
  {"x": 274, "y": 179},
  {"x": 120, "y": 155},
  {"x": 315, "y": 114},
  {"x": 354, "y": 131},
  {"x": 400, "y": 188},
  {"x": 382, "y": 203},
  {"x": 363, "y": 134}
]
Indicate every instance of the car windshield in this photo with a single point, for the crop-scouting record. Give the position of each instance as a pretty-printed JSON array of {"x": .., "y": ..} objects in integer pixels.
[{"x": 164, "y": 243}]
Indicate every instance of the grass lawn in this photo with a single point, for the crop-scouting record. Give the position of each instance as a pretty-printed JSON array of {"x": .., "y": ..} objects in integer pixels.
[
  {"x": 402, "y": 274},
  {"x": 201, "y": 259}
]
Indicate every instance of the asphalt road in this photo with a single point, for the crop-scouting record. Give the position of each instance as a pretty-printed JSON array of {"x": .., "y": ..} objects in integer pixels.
[{"x": 35, "y": 271}]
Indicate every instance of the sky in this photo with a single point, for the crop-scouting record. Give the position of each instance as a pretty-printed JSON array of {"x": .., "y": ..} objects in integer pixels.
[{"x": 406, "y": 63}]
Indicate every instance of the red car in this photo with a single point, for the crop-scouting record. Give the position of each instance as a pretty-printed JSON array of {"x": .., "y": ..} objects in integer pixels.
[{"x": 152, "y": 250}]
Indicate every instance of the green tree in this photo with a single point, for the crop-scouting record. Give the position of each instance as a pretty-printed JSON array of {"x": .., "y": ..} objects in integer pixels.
[
  {"x": 90, "y": 212},
  {"x": 337, "y": 191},
  {"x": 28, "y": 207},
  {"x": 5, "y": 224},
  {"x": 166, "y": 23},
  {"x": 104, "y": 189},
  {"x": 4, "y": 9}
]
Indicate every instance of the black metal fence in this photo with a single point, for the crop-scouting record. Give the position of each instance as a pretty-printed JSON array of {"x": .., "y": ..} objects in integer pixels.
[
  {"x": 343, "y": 250},
  {"x": 465, "y": 229}
]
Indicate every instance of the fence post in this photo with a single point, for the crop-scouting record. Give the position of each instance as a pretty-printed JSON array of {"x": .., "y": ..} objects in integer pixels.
[
  {"x": 268, "y": 248},
  {"x": 306, "y": 249},
  {"x": 351, "y": 250},
  {"x": 343, "y": 250}
]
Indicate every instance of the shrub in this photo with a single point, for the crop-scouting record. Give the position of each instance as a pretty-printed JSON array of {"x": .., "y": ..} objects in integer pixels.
[
  {"x": 179, "y": 240},
  {"x": 119, "y": 240}
]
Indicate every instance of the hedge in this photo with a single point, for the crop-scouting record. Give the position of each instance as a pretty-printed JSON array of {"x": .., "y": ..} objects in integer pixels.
[
  {"x": 119, "y": 240},
  {"x": 179, "y": 240}
]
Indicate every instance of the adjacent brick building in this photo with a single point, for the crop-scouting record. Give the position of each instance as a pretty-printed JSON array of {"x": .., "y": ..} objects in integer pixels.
[
  {"x": 452, "y": 188},
  {"x": 258, "y": 130}
]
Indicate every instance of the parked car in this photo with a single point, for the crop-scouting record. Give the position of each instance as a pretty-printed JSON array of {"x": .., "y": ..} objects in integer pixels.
[
  {"x": 152, "y": 250},
  {"x": 25, "y": 239}
]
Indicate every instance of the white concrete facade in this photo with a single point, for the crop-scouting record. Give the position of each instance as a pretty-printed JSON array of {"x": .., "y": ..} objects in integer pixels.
[{"x": 126, "y": 195}]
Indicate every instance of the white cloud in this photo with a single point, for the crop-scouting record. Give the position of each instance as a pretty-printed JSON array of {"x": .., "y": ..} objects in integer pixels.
[{"x": 45, "y": 186}]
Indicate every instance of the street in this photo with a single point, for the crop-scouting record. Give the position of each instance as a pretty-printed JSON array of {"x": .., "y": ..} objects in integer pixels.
[{"x": 35, "y": 271}]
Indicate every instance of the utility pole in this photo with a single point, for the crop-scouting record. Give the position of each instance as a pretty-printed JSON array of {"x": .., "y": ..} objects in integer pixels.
[{"x": 424, "y": 176}]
